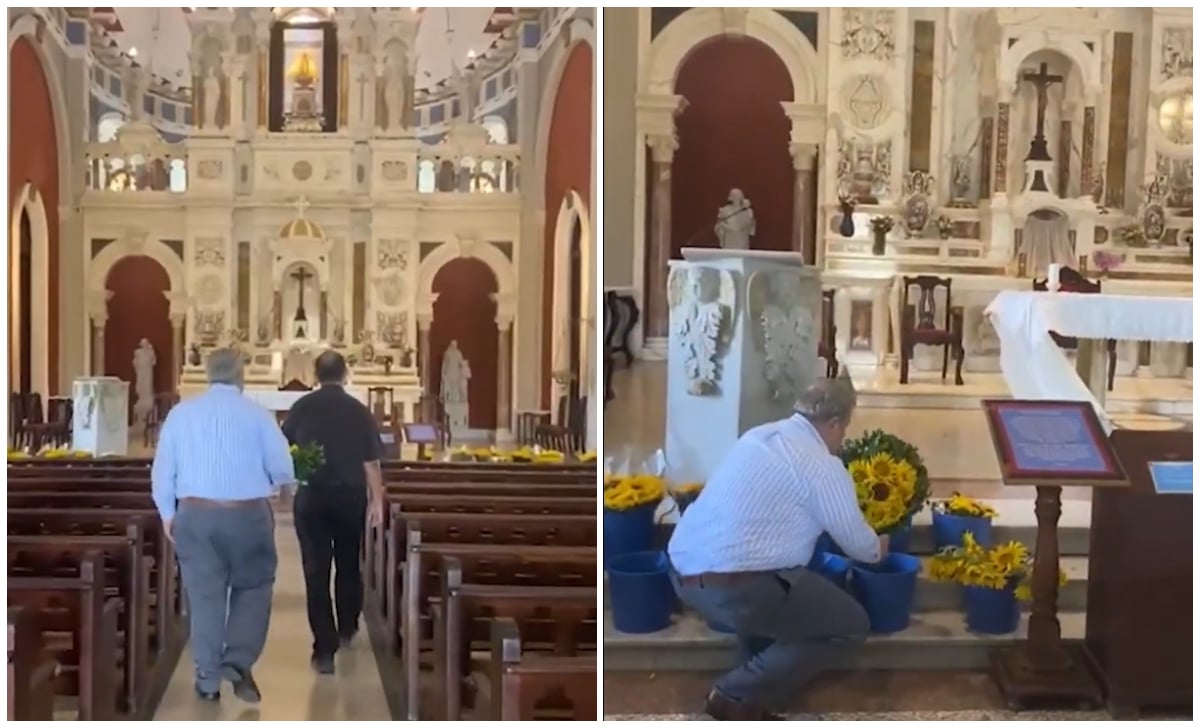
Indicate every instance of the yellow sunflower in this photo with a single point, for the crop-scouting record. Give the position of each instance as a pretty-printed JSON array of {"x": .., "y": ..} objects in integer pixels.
[
  {"x": 1009, "y": 557},
  {"x": 860, "y": 471},
  {"x": 905, "y": 477},
  {"x": 882, "y": 466}
]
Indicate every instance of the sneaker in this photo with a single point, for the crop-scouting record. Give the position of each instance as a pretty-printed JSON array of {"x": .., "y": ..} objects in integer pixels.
[
  {"x": 243, "y": 684},
  {"x": 720, "y": 707}
]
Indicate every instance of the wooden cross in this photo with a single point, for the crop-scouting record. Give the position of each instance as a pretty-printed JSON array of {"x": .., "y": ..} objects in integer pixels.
[
  {"x": 301, "y": 277},
  {"x": 1042, "y": 80},
  {"x": 301, "y": 205}
]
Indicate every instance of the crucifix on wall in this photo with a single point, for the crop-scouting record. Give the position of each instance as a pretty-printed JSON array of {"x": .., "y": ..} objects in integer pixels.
[
  {"x": 301, "y": 277},
  {"x": 1039, "y": 150}
]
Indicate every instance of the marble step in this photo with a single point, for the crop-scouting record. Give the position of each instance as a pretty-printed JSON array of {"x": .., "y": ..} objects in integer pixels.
[
  {"x": 935, "y": 596},
  {"x": 934, "y": 641}
]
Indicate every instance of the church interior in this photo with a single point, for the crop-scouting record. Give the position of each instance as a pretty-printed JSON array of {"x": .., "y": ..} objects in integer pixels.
[
  {"x": 916, "y": 165},
  {"x": 410, "y": 187}
]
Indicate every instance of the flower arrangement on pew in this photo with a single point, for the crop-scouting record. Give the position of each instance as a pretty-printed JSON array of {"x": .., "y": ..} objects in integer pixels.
[
  {"x": 890, "y": 480},
  {"x": 306, "y": 460},
  {"x": 959, "y": 514}
]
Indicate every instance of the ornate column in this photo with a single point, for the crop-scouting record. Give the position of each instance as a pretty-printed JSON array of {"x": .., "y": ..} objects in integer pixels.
[
  {"x": 178, "y": 312},
  {"x": 504, "y": 376},
  {"x": 1000, "y": 186},
  {"x": 98, "y": 315},
  {"x": 1088, "y": 151},
  {"x": 662, "y": 154},
  {"x": 804, "y": 213}
]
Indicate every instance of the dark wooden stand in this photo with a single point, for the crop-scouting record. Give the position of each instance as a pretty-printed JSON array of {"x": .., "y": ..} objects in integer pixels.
[{"x": 1139, "y": 618}]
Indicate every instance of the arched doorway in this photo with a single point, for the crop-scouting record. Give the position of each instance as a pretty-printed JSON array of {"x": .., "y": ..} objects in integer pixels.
[
  {"x": 568, "y": 183},
  {"x": 21, "y": 308},
  {"x": 465, "y": 311},
  {"x": 139, "y": 310},
  {"x": 571, "y": 290},
  {"x": 732, "y": 133}
]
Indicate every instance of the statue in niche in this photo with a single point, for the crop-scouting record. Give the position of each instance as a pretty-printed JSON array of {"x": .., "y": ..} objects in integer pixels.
[
  {"x": 212, "y": 97},
  {"x": 395, "y": 76},
  {"x": 135, "y": 91},
  {"x": 702, "y": 301},
  {"x": 455, "y": 390},
  {"x": 466, "y": 87},
  {"x": 144, "y": 361},
  {"x": 735, "y": 222},
  {"x": 786, "y": 333}
]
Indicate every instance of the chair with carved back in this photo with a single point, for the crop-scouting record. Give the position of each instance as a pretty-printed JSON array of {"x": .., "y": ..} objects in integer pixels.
[
  {"x": 918, "y": 325},
  {"x": 827, "y": 346},
  {"x": 1072, "y": 281},
  {"x": 382, "y": 403},
  {"x": 527, "y": 423},
  {"x": 557, "y": 438}
]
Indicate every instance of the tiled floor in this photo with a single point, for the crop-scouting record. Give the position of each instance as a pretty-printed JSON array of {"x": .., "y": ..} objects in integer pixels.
[{"x": 290, "y": 688}]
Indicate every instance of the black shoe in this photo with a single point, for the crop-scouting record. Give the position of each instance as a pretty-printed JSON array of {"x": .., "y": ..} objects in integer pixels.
[
  {"x": 208, "y": 696},
  {"x": 719, "y": 707},
  {"x": 346, "y": 639},
  {"x": 243, "y": 684},
  {"x": 323, "y": 664}
]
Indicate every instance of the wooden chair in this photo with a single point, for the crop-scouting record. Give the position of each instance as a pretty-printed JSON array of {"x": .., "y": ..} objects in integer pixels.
[
  {"x": 621, "y": 314},
  {"x": 555, "y": 437},
  {"x": 381, "y": 402},
  {"x": 163, "y": 403},
  {"x": 918, "y": 325},
  {"x": 527, "y": 423},
  {"x": 827, "y": 346},
  {"x": 1071, "y": 281}
]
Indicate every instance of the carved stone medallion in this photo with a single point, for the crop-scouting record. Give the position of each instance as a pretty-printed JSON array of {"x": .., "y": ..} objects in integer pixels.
[
  {"x": 391, "y": 254},
  {"x": 868, "y": 33},
  {"x": 702, "y": 301},
  {"x": 1176, "y": 53},
  {"x": 302, "y": 171},
  {"x": 210, "y": 251},
  {"x": 785, "y": 331},
  {"x": 864, "y": 102}
]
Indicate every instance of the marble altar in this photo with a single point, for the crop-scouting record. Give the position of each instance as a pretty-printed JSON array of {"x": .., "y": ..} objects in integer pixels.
[{"x": 100, "y": 423}]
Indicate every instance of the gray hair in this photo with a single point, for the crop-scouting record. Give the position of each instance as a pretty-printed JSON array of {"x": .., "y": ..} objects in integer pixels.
[
  {"x": 224, "y": 366},
  {"x": 828, "y": 400}
]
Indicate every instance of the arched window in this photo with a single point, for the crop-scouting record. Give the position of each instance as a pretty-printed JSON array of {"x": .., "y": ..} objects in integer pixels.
[
  {"x": 178, "y": 175},
  {"x": 108, "y": 126},
  {"x": 497, "y": 129},
  {"x": 426, "y": 176}
]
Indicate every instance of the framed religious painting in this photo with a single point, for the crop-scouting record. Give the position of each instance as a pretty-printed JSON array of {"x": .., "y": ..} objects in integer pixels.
[{"x": 1051, "y": 442}]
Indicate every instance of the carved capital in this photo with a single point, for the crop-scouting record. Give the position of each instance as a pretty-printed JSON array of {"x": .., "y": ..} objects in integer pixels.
[
  {"x": 424, "y": 321},
  {"x": 97, "y": 305},
  {"x": 662, "y": 147},
  {"x": 804, "y": 156},
  {"x": 180, "y": 303},
  {"x": 425, "y": 307},
  {"x": 506, "y": 309}
]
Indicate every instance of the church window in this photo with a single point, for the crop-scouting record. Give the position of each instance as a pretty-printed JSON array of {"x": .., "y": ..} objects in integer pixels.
[
  {"x": 178, "y": 175},
  {"x": 426, "y": 176}
]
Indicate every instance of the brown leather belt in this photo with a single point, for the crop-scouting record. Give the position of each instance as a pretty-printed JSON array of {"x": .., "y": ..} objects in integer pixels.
[
  {"x": 719, "y": 579},
  {"x": 209, "y": 502}
]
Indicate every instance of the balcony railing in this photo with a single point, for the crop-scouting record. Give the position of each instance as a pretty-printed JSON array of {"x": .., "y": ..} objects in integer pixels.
[{"x": 487, "y": 173}]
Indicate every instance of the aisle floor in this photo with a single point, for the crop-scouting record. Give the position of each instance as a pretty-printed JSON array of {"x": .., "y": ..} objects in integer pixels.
[{"x": 291, "y": 689}]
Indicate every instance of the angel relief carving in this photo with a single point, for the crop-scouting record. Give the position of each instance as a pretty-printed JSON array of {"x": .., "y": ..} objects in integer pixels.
[
  {"x": 786, "y": 332},
  {"x": 702, "y": 301}
]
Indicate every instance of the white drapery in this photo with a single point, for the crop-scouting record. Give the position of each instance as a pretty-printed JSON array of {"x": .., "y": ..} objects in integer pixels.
[
  {"x": 1037, "y": 368},
  {"x": 1046, "y": 241}
]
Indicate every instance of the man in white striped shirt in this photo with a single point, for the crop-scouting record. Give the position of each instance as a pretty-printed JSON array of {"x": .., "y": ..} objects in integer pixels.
[
  {"x": 219, "y": 458},
  {"x": 739, "y": 553}
]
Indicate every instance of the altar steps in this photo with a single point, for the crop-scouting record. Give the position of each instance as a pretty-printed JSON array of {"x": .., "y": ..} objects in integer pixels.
[{"x": 937, "y": 637}]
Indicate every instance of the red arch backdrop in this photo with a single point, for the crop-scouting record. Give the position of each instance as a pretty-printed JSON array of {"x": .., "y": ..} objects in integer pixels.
[
  {"x": 138, "y": 309},
  {"x": 568, "y": 167},
  {"x": 733, "y": 133},
  {"x": 464, "y": 311},
  {"x": 33, "y": 159}
]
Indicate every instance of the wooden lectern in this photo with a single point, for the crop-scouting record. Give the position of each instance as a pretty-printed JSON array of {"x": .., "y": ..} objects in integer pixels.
[{"x": 1139, "y": 599}]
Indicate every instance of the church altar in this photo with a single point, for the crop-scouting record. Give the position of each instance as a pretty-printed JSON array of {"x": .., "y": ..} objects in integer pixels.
[{"x": 282, "y": 401}]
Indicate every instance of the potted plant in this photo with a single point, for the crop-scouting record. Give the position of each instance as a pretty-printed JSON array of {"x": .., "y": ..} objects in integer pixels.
[
  {"x": 880, "y": 227},
  {"x": 958, "y": 514}
]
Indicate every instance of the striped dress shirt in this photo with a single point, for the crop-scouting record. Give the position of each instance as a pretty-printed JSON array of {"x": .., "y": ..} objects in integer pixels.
[
  {"x": 220, "y": 446},
  {"x": 767, "y": 504}
]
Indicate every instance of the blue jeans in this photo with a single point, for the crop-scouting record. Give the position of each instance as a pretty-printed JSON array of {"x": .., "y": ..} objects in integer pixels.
[{"x": 791, "y": 625}]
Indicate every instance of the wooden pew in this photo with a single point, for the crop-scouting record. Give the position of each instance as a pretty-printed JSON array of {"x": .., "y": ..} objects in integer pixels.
[
  {"x": 77, "y": 606},
  {"x": 31, "y": 669},
  {"x": 523, "y": 684},
  {"x": 514, "y": 565},
  {"x": 127, "y": 575},
  {"x": 559, "y": 619}
]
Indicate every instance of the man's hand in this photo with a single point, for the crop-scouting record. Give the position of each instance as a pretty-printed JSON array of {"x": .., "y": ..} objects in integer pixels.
[
  {"x": 169, "y": 529},
  {"x": 375, "y": 512}
]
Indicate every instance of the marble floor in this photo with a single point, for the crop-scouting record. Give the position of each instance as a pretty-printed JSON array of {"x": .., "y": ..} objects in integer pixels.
[{"x": 291, "y": 689}]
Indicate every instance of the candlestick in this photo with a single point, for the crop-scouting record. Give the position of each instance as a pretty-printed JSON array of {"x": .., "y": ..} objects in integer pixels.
[{"x": 1052, "y": 274}]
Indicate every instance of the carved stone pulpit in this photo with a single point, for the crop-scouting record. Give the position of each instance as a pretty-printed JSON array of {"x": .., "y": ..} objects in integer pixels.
[
  {"x": 100, "y": 422},
  {"x": 744, "y": 330}
]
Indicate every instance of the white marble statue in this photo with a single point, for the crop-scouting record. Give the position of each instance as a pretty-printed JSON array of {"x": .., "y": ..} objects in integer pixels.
[
  {"x": 788, "y": 334},
  {"x": 455, "y": 392},
  {"x": 701, "y": 308},
  {"x": 212, "y": 94},
  {"x": 735, "y": 222},
  {"x": 395, "y": 75},
  {"x": 466, "y": 89},
  {"x": 144, "y": 360}
]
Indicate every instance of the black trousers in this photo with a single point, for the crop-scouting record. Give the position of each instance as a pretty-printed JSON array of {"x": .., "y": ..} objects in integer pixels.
[{"x": 329, "y": 524}]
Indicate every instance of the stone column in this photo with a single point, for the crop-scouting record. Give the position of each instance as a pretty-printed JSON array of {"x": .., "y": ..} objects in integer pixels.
[
  {"x": 662, "y": 154},
  {"x": 424, "y": 324},
  {"x": 804, "y": 213},
  {"x": 985, "y": 158},
  {"x": 262, "y": 84},
  {"x": 98, "y": 314},
  {"x": 1063, "y": 163},
  {"x": 504, "y": 376},
  {"x": 1088, "y": 150},
  {"x": 177, "y": 357},
  {"x": 1001, "y": 184}
]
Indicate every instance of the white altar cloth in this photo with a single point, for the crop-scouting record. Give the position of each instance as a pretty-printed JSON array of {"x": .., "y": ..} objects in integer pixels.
[
  {"x": 274, "y": 400},
  {"x": 1035, "y": 367}
]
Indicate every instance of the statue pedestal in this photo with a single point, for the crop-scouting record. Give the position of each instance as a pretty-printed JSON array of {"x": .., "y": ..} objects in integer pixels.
[
  {"x": 767, "y": 349},
  {"x": 100, "y": 424}
]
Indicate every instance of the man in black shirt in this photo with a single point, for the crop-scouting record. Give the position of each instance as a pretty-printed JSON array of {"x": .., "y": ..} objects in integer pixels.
[{"x": 331, "y": 509}]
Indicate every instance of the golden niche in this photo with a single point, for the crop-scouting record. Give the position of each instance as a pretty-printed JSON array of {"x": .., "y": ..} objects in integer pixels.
[{"x": 303, "y": 71}]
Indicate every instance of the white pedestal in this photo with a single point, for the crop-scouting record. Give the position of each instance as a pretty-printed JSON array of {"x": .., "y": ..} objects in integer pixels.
[
  {"x": 100, "y": 424},
  {"x": 758, "y": 375}
]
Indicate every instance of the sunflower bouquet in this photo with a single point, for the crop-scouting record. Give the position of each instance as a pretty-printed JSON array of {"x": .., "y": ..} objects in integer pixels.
[
  {"x": 963, "y": 506},
  {"x": 625, "y": 493},
  {"x": 890, "y": 479},
  {"x": 1009, "y": 565},
  {"x": 306, "y": 461}
]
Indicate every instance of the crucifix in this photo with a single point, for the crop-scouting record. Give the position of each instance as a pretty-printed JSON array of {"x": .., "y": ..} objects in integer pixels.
[
  {"x": 1042, "y": 80},
  {"x": 301, "y": 206},
  {"x": 301, "y": 277}
]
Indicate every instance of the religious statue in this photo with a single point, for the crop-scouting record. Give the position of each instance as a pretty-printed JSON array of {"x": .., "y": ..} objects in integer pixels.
[
  {"x": 135, "y": 91},
  {"x": 466, "y": 90},
  {"x": 735, "y": 222},
  {"x": 701, "y": 301},
  {"x": 144, "y": 360},
  {"x": 787, "y": 336},
  {"x": 395, "y": 75},
  {"x": 212, "y": 95},
  {"x": 455, "y": 393}
]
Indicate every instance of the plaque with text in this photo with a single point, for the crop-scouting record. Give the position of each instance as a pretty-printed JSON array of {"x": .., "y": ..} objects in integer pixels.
[
  {"x": 1171, "y": 478},
  {"x": 420, "y": 434},
  {"x": 1051, "y": 442}
]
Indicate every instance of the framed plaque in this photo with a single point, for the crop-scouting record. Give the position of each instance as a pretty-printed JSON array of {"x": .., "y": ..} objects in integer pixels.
[
  {"x": 419, "y": 433},
  {"x": 1051, "y": 442}
]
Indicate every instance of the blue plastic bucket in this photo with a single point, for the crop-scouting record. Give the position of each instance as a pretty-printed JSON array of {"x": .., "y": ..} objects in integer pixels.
[
  {"x": 825, "y": 545},
  {"x": 991, "y": 611},
  {"x": 948, "y": 530},
  {"x": 831, "y": 566},
  {"x": 900, "y": 540},
  {"x": 718, "y": 627},
  {"x": 640, "y": 592},
  {"x": 628, "y": 531},
  {"x": 886, "y": 590}
]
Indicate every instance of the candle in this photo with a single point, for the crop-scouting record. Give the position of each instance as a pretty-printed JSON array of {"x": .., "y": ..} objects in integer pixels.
[{"x": 1052, "y": 273}]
